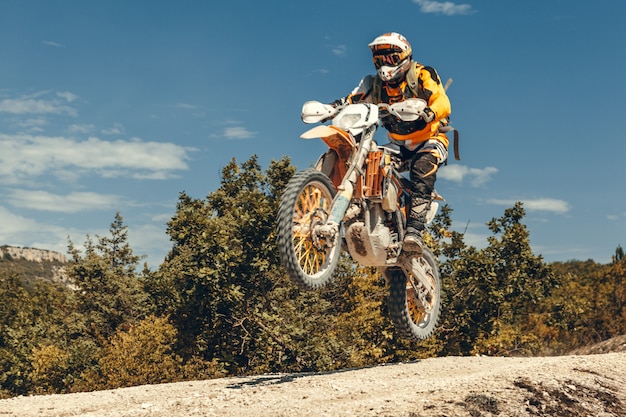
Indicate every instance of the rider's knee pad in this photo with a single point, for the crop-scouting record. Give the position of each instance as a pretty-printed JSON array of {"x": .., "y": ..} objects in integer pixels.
[{"x": 424, "y": 173}]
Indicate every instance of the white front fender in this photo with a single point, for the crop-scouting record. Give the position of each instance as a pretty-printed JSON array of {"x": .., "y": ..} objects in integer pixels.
[{"x": 321, "y": 131}]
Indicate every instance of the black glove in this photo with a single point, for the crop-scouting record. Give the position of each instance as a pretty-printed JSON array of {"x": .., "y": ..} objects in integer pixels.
[
  {"x": 428, "y": 115},
  {"x": 337, "y": 102}
]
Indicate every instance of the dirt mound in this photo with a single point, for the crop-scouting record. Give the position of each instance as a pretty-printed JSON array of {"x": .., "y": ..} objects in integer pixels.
[
  {"x": 615, "y": 344},
  {"x": 575, "y": 385}
]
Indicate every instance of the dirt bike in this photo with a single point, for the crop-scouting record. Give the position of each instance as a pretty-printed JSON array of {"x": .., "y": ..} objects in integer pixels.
[{"x": 356, "y": 199}]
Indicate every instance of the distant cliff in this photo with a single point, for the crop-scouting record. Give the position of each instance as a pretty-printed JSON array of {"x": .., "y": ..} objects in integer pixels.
[
  {"x": 31, "y": 254},
  {"x": 32, "y": 264}
]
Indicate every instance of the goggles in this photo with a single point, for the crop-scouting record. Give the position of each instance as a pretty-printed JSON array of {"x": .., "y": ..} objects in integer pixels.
[{"x": 389, "y": 59}]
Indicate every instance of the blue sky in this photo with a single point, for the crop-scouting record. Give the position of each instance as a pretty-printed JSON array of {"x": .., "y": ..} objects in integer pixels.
[{"x": 120, "y": 105}]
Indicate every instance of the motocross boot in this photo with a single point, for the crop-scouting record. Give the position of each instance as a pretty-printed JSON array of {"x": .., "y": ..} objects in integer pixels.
[{"x": 415, "y": 225}]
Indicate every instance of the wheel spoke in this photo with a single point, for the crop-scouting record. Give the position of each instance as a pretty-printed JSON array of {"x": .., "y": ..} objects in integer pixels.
[
  {"x": 415, "y": 307},
  {"x": 311, "y": 204},
  {"x": 420, "y": 299}
]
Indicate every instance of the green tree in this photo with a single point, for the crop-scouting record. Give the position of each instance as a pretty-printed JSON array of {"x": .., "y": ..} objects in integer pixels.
[
  {"x": 523, "y": 279},
  {"x": 144, "y": 354},
  {"x": 223, "y": 263},
  {"x": 110, "y": 292},
  {"x": 115, "y": 249},
  {"x": 607, "y": 293},
  {"x": 34, "y": 316},
  {"x": 619, "y": 254},
  {"x": 15, "y": 327},
  {"x": 491, "y": 293},
  {"x": 50, "y": 369},
  {"x": 587, "y": 306}
]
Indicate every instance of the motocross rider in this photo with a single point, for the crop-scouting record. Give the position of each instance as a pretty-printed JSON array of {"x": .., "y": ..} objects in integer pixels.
[{"x": 421, "y": 141}]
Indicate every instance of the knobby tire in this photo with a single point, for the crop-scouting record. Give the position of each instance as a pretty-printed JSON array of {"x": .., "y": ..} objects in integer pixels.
[
  {"x": 409, "y": 319},
  {"x": 306, "y": 201}
]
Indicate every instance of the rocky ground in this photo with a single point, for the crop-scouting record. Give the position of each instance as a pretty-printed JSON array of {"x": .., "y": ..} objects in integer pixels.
[{"x": 590, "y": 383}]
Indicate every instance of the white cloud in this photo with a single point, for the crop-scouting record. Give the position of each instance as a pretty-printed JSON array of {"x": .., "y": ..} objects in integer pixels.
[
  {"x": 461, "y": 173},
  {"x": 238, "y": 132},
  {"x": 67, "y": 96},
  {"x": 34, "y": 104},
  {"x": 547, "y": 204},
  {"x": 185, "y": 106},
  {"x": 26, "y": 157},
  {"x": 52, "y": 43},
  {"x": 17, "y": 230},
  {"x": 116, "y": 129},
  {"x": 340, "y": 50},
  {"x": 35, "y": 124},
  {"x": 540, "y": 204},
  {"x": 444, "y": 7},
  {"x": 14, "y": 224},
  {"x": 81, "y": 128},
  {"x": 614, "y": 217},
  {"x": 70, "y": 203}
]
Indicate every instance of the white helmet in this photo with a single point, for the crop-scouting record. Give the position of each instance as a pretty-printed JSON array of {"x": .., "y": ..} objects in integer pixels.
[{"x": 391, "y": 53}]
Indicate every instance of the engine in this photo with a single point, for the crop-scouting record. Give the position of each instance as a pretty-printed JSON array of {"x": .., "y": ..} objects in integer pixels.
[{"x": 369, "y": 240}]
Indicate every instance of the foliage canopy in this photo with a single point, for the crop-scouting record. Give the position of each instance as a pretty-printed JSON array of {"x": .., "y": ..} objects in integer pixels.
[{"x": 221, "y": 304}]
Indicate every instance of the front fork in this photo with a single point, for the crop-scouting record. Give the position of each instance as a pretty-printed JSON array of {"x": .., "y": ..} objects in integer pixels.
[{"x": 330, "y": 230}]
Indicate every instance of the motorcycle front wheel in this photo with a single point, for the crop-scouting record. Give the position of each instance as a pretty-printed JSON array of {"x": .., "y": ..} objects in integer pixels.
[
  {"x": 415, "y": 316},
  {"x": 310, "y": 261}
]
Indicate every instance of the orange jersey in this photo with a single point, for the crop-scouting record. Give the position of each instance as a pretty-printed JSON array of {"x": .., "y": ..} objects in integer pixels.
[{"x": 428, "y": 87}]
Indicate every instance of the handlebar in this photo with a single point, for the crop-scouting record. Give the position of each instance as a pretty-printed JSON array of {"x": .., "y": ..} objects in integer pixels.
[{"x": 408, "y": 110}]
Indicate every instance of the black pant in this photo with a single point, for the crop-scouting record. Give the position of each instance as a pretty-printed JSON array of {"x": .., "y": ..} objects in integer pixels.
[{"x": 423, "y": 174}]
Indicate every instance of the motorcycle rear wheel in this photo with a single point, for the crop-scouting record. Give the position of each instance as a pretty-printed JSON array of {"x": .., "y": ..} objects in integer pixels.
[
  {"x": 306, "y": 202},
  {"x": 410, "y": 316}
]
